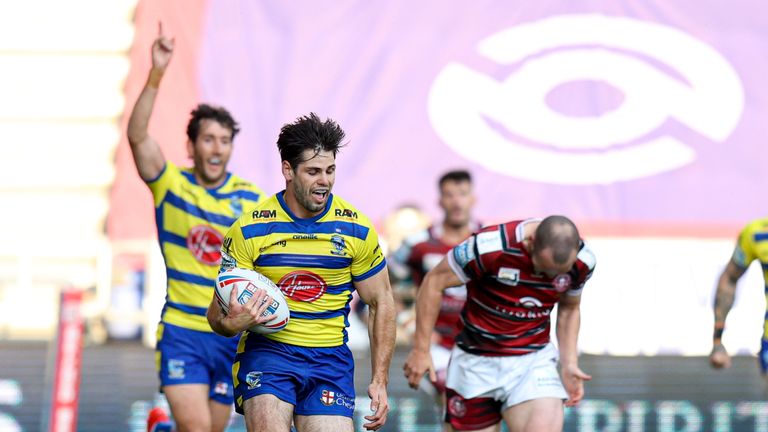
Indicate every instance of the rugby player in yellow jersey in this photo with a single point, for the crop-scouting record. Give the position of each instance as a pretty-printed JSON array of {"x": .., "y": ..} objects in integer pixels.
[
  {"x": 193, "y": 208},
  {"x": 752, "y": 245},
  {"x": 318, "y": 249}
]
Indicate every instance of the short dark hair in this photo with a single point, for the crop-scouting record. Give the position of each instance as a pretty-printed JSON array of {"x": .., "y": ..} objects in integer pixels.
[
  {"x": 457, "y": 176},
  {"x": 210, "y": 112},
  {"x": 560, "y": 234},
  {"x": 308, "y": 133}
]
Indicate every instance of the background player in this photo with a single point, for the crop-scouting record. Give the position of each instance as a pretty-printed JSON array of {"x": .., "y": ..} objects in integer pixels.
[
  {"x": 751, "y": 245},
  {"x": 503, "y": 365},
  {"x": 422, "y": 251},
  {"x": 318, "y": 249},
  {"x": 193, "y": 207}
]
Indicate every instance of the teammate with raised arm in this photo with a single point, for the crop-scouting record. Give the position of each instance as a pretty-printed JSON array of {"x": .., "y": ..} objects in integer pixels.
[
  {"x": 193, "y": 209},
  {"x": 504, "y": 365},
  {"x": 318, "y": 249}
]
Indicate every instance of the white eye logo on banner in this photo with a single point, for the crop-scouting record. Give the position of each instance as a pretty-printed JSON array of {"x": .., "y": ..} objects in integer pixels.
[{"x": 664, "y": 75}]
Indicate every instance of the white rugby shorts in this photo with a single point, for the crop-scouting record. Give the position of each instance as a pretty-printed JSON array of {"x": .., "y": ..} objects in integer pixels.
[{"x": 508, "y": 379}]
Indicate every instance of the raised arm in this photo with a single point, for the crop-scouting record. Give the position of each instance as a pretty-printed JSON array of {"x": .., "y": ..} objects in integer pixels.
[
  {"x": 376, "y": 292},
  {"x": 428, "y": 299},
  {"x": 726, "y": 292},
  {"x": 146, "y": 152}
]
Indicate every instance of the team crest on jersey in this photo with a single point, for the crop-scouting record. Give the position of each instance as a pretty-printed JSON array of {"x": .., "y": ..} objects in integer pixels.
[
  {"x": 509, "y": 276},
  {"x": 562, "y": 282},
  {"x": 253, "y": 379},
  {"x": 302, "y": 285},
  {"x": 338, "y": 244},
  {"x": 456, "y": 406},
  {"x": 328, "y": 398},
  {"x": 204, "y": 243}
]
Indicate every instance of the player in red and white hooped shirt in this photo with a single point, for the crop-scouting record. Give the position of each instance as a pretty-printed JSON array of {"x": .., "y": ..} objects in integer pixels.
[
  {"x": 422, "y": 251},
  {"x": 503, "y": 365}
]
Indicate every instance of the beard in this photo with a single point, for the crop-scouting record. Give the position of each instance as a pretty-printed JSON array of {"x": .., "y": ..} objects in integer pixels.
[
  {"x": 457, "y": 222},
  {"x": 303, "y": 196}
]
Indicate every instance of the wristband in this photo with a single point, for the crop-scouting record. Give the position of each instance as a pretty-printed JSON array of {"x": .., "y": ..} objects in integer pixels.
[
  {"x": 718, "y": 334},
  {"x": 155, "y": 75}
]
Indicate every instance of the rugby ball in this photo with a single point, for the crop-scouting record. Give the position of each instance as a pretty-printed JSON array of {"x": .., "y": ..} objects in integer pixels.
[{"x": 247, "y": 282}]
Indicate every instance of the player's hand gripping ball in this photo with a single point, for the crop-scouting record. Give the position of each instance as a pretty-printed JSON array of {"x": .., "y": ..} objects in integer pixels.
[{"x": 247, "y": 282}]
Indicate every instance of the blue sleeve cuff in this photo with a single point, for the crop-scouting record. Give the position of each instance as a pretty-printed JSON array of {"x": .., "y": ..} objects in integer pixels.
[
  {"x": 371, "y": 272},
  {"x": 162, "y": 171}
]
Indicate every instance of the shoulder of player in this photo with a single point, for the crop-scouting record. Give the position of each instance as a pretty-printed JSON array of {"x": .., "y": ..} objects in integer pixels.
[
  {"x": 343, "y": 210},
  {"x": 267, "y": 210},
  {"x": 238, "y": 183},
  {"x": 499, "y": 238},
  {"x": 586, "y": 256},
  {"x": 169, "y": 170},
  {"x": 755, "y": 226},
  {"x": 186, "y": 173}
]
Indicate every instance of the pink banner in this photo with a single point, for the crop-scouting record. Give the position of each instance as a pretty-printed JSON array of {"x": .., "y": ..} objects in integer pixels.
[
  {"x": 639, "y": 111},
  {"x": 643, "y": 114}
]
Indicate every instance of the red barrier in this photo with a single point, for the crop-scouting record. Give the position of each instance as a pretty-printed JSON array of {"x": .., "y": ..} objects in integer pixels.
[{"x": 69, "y": 349}]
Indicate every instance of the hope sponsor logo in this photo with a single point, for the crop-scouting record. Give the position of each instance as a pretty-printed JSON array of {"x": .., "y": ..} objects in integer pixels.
[
  {"x": 302, "y": 285},
  {"x": 650, "y": 76},
  {"x": 205, "y": 243}
]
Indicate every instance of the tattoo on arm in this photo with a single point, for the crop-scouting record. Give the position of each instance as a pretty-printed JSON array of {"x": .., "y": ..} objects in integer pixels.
[
  {"x": 723, "y": 304},
  {"x": 726, "y": 292}
]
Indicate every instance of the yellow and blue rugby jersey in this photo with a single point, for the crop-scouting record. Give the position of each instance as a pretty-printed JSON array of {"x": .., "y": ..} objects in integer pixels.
[
  {"x": 753, "y": 245},
  {"x": 314, "y": 261},
  {"x": 191, "y": 222}
]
